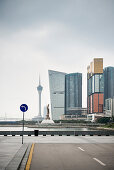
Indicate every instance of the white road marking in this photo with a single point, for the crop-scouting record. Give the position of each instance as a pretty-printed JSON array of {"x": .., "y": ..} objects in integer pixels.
[
  {"x": 81, "y": 149},
  {"x": 99, "y": 161}
]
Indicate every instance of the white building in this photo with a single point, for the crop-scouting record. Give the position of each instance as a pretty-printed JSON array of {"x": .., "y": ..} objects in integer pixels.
[
  {"x": 94, "y": 116},
  {"x": 109, "y": 107},
  {"x": 57, "y": 93},
  {"x": 45, "y": 112}
]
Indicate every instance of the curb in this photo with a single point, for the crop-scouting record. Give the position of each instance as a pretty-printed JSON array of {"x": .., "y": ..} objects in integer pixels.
[{"x": 25, "y": 159}]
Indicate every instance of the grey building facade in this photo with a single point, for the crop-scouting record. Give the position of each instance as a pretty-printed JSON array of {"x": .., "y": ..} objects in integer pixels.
[
  {"x": 57, "y": 93},
  {"x": 108, "y": 83},
  {"x": 109, "y": 91},
  {"x": 73, "y": 93},
  {"x": 109, "y": 107}
]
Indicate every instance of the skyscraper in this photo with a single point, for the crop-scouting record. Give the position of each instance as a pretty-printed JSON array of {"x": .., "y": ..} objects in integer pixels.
[
  {"x": 95, "y": 86},
  {"x": 73, "y": 93},
  {"x": 108, "y": 83},
  {"x": 57, "y": 93},
  {"x": 109, "y": 91}
]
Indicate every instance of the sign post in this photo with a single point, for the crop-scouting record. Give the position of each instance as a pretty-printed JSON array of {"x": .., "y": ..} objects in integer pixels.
[{"x": 23, "y": 108}]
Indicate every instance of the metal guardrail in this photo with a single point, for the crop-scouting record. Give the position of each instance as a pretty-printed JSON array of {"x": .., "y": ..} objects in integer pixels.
[
  {"x": 59, "y": 133},
  {"x": 13, "y": 133}
]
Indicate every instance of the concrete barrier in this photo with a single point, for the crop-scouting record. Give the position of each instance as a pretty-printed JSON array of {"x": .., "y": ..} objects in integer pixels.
[
  {"x": 76, "y": 133},
  {"x": 60, "y": 133}
]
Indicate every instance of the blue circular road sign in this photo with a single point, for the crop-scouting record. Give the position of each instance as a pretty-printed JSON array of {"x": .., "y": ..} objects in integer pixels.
[{"x": 23, "y": 107}]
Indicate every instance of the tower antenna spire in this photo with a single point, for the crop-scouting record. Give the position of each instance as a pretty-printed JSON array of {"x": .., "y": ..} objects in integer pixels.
[{"x": 39, "y": 80}]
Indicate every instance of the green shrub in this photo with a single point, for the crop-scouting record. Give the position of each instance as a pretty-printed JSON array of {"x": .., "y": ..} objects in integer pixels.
[{"x": 103, "y": 120}]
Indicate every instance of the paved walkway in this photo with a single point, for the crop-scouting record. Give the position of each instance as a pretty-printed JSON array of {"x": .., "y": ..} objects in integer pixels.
[
  {"x": 73, "y": 157},
  {"x": 7, "y": 151}
]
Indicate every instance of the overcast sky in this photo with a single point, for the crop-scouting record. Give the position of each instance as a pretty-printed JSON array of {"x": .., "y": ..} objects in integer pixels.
[{"x": 38, "y": 35}]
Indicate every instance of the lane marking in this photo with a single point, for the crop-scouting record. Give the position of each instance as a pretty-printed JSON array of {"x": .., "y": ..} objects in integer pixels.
[
  {"x": 29, "y": 158},
  {"x": 81, "y": 149},
  {"x": 99, "y": 161}
]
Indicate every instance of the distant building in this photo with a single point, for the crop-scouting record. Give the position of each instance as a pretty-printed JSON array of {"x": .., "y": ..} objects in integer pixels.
[
  {"x": 57, "y": 93},
  {"x": 94, "y": 117},
  {"x": 45, "y": 112},
  {"x": 82, "y": 114},
  {"x": 95, "y": 86},
  {"x": 109, "y": 91},
  {"x": 73, "y": 93},
  {"x": 108, "y": 83},
  {"x": 109, "y": 107}
]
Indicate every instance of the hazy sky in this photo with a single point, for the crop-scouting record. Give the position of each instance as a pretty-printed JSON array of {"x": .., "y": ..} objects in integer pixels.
[{"x": 37, "y": 35}]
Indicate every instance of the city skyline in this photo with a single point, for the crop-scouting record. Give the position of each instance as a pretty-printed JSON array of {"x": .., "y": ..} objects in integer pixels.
[{"x": 37, "y": 36}]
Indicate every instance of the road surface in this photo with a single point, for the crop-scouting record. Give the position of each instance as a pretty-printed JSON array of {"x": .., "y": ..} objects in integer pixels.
[
  {"x": 99, "y": 147},
  {"x": 73, "y": 157}
]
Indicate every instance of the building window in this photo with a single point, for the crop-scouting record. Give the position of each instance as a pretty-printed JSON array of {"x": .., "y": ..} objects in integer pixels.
[
  {"x": 101, "y": 82},
  {"x": 93, "y": 84},
  {"x": 96, "y": 83}
]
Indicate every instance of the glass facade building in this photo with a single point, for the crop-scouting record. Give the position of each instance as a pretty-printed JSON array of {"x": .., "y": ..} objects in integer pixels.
[
  {"x": 57, "y": 93},
  {"x": 108, "y": 83},
  {"x": 95, "y": 86},
  {"x": 73, "y": 93}
]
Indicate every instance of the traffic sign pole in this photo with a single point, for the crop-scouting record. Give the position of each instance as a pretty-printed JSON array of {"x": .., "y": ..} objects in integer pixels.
[
  {"x": 23, "y": 108},
  {"x": 23, "y": 128}
]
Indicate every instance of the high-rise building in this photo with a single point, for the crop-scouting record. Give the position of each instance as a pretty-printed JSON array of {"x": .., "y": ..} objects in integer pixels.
[
  {"x": 73, "y": 93},
  {"x": 57, "y": 93},
  {"x": 95, "y": 86},
  {"x": 108, "y": 83},
  {"x": 109, "y": 91}
]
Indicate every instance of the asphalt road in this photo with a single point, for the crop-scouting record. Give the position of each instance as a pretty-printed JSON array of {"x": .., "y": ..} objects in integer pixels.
[
  {"x": 73, "y": 156},
  {"x": 56, "y": 139},
  {"x": 9, "y": 145}
]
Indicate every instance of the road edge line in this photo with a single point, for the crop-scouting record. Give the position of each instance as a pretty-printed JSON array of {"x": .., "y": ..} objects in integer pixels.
[{"x": 29, "y": 158}]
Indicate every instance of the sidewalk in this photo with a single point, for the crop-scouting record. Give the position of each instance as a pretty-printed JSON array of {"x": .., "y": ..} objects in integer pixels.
[{"x": 7, "y": 151}]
